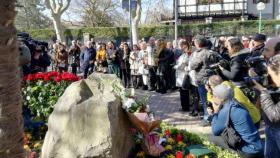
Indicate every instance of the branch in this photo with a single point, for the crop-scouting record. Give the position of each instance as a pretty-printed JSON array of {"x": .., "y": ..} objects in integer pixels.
[{"x": 66, "y": 6}]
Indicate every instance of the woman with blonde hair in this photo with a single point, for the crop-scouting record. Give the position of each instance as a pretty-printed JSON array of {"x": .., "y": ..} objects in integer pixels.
[{"x": 162, "y": 60}]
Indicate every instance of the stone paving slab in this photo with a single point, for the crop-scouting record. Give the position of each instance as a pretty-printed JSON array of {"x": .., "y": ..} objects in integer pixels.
[{"x": 167, "y": 108}]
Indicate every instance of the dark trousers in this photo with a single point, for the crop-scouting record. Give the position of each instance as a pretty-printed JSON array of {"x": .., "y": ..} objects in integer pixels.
[
  {"x": 85, "y": 72},
  {"x": 125, "y": 77},
  {"x": 135, "y": 81},
  {"x": 152, "y": 77},
  {"x": 219, "y": 141},
  {"x": 185, "y": 101},
  {"x": 161, "y": 83}
]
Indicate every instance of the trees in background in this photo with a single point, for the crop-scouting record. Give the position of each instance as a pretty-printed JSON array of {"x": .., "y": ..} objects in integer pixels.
[
  {"x": 100, "y": 13},
  {"x": 30, "y": 15},
  {"x": 11, "y": 122},
  {"x": 57, "y": 8}
]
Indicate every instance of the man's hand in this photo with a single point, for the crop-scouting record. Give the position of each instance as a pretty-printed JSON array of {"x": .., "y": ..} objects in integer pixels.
[
  {"x": 221, "y": 68},
  {"x": 258, "y": 86},
  {"x": 210, "y": 111},
  {"x": 216, "y": 107},
  {"x": 252, "y": 72}
]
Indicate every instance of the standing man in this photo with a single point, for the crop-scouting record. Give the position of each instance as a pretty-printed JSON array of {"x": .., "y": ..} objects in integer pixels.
[
  {"x": 258, "y": 44},
  {"x": 151, "y": 49},
  {"x": 87, "y": 59},
  {"x": 199, "y": 63},
  {"x": 75, "y": 52}
]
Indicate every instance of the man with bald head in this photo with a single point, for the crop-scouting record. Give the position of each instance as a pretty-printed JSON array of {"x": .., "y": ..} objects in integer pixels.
[{"x": 269, "y": 48}]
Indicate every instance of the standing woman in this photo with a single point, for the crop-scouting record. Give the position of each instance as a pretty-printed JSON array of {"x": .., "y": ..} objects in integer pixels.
[
  {"x": 134, "y": 66},
  {"x": 125, "y": 66},
  {"x": 144, "y": 67},
  {"x": 62, "y": 58},
  {"x": 163, "y": 56},
  {"x": 101, "y": 59},
  {"x": 181, "y": 70}
]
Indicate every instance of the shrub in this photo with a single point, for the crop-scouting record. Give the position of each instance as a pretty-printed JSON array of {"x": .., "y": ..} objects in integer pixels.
[{"x": 42, "y": 90}]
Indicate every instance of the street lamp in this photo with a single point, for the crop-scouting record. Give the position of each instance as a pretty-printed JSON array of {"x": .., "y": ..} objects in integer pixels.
[{"x": 260, "y": 7}]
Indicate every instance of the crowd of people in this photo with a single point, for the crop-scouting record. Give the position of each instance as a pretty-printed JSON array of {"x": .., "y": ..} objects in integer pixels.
[{"x": 234, "y": 82}]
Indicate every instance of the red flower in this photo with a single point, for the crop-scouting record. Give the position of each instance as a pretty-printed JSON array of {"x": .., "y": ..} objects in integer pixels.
[
  {"x": 133, "y": 130},
  {"x": 167, "y": 133},
  {"x": 32, "y": 155},
  {"x": 179, "y": 154},
  {"x": 47, "y": 78},
  {"x": 57, "y": 79},
  {"x": 179, "y": 137},
  {"x": 53, "y": 73},
  {"x": 30, "y": 77},
  {"x": 190, "y": 156},
  {"x": 39, "y": 76}
]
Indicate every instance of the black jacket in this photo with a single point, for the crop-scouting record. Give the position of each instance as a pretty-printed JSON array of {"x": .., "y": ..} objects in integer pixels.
[
  {"x": 238, "y": 68},
  {"x": 270, "y": 110},
  {"x": 257, "y": 51}
]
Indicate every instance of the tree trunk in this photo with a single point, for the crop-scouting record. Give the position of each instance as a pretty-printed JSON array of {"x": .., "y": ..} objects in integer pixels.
[
  {"x": 11, "y": 122},
  {"x": 58, "y": 27},
  {"x": 135, "y": 22}
]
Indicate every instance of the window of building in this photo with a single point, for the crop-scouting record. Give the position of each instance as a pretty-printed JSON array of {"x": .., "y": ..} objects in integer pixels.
[{"x": 257, "y": 1}]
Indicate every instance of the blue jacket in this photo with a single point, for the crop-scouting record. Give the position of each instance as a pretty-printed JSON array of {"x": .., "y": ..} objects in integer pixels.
[
  {"x": 87, "y": 55},
  {"x": 242, "y": 123}
]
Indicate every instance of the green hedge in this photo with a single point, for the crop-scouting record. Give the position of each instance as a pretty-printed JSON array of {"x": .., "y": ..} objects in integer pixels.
[{"x": 216, "y": 28}]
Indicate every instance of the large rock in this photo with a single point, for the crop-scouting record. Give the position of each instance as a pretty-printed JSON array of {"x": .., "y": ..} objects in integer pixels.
[{"x": 88, "y": 122}]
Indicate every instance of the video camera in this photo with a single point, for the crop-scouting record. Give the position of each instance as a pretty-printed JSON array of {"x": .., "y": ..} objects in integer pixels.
[
  {"x": 31, "y": 43},
  {"x": 258, "y": 63}
]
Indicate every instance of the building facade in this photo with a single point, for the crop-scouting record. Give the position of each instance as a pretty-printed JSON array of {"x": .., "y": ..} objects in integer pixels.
[{"x": 199, "y": 10}]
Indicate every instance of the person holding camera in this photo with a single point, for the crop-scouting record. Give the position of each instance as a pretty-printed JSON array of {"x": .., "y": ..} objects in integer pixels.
[
  {"x": 270, "y": 108},
  {"x": 238, "y": 69},
  {"x": 239, "y": 96},
  {"x": 232, "y": 126}
]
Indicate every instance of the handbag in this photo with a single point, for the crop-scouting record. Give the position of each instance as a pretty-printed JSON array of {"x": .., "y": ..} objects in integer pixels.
[
  {"x": 186, "y": 84},
  {"x": 229, "y": 135}
]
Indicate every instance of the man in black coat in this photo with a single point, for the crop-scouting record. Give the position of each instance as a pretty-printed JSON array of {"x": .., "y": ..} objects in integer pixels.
[{"x": 259, "y": 44}]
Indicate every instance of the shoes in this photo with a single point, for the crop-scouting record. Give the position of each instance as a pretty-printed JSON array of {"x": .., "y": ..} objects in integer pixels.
[
  {"x": 205, "y": 123},
  {"x": 145, "y": 88},
  {"x": 193, "y": 113},
  {"x": 152, "y": 89}
]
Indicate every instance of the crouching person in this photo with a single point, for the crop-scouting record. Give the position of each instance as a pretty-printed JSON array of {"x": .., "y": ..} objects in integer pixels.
[{"x": 228, "y": 113}]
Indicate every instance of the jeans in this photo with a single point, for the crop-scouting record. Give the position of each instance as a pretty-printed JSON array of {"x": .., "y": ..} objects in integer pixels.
[
  {"x": 203, "y": 98},
  {"x": 272, "y": 143},
  {"x": 114, "y": 69}
]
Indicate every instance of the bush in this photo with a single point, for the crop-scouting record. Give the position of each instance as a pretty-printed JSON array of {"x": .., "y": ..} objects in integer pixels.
[
  {"x": 42, "y": 90},
  {"x": 122, "y": 33}
]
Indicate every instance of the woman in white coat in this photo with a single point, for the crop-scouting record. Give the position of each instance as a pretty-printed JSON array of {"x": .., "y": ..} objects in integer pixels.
[{"x": 181, "y": 70}]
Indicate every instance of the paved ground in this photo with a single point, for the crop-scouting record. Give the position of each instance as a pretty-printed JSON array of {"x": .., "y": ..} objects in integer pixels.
[{"x": 167, "y": 107}]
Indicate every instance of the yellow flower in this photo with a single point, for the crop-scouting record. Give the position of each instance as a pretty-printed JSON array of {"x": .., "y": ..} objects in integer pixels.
[
  {"x": 206, "y": 156},
  {"x": 181, "y": 144},
  {"x": 29, "y": 136},
  {"x": 37, "y": 145},
  {"x": 140, "y": 154},
  {"x": 170, "y": 156},
  {"x": 168, "y": 147},
  {"x": 170, "y": 141},
  {"x": 26, "y": 148}
]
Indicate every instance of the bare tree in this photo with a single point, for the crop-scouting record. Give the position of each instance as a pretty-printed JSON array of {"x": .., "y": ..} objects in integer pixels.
[
  {"x": 136, "y": 15},
  {"x": 100, "y": 13},
  {"x": 11, "y": 122},
  {"x": 57, "y": 8}
]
